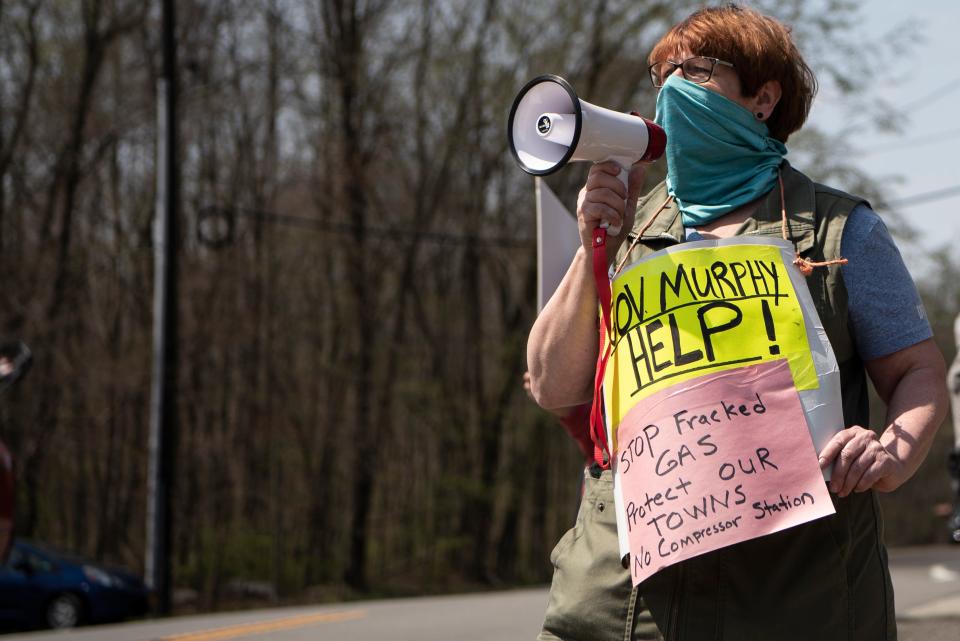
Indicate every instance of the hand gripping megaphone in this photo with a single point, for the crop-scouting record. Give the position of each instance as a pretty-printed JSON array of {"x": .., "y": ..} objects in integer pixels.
[{"x": 550, "y": 126}]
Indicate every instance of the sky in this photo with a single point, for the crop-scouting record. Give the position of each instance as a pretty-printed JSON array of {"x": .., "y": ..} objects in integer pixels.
[{"x": 924, "y": 155}]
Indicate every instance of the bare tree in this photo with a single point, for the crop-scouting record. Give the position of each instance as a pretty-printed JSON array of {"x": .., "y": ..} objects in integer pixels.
[{"x": 358, "y": 277}]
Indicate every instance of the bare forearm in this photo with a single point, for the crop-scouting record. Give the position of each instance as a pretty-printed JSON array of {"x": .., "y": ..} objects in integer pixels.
[
  {"x": 562, "y": 347},
  {"x": 915, "y": 410},
  {"x": 910, "y": 382}
]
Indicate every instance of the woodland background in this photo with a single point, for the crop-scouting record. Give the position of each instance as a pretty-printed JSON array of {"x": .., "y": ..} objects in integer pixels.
[{"x": 357, "y": 278}]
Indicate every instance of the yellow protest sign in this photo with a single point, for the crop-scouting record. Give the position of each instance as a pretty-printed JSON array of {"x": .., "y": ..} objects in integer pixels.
[{"x": 681, "y": 314}]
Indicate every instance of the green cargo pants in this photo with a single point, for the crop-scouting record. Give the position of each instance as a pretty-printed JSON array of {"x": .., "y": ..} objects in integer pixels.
[{"x": 591, "y": 598}]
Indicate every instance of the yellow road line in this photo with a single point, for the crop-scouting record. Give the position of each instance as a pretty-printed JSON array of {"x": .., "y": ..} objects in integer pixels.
[{"x": 244, "y": 629}]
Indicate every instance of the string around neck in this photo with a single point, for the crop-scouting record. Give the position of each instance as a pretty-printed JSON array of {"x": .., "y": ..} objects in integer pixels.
[
  {"x": 640, "y": 234},
  {"x": 805, "y": 265}
]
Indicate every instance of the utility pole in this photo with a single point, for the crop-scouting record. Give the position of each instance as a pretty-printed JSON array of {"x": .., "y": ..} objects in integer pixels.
[{"x": 163, "y": 407}]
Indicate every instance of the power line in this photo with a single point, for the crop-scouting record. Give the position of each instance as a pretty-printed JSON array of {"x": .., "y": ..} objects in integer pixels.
[
  {"x": 926, "y": 197},
  {"x": 915, "y": 105},
  {"x": 935, "y": 95},
  {"x": 387, "y": 233},
  {"x": 917, "y": 141}
]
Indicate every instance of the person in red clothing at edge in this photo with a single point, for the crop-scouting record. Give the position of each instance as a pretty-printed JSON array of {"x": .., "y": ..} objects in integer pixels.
[{"x": 732, "y": 88}]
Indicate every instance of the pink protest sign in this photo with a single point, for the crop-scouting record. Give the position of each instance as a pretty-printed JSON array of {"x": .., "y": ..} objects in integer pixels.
[{"x": 726, "y": 458}]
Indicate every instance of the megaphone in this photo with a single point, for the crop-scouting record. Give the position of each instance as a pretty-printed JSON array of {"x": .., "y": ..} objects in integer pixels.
[{"x": 550, "y": 126}]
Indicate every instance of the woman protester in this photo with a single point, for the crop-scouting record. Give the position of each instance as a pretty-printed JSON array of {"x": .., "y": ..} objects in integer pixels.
[{"x": 732, "y": 89}]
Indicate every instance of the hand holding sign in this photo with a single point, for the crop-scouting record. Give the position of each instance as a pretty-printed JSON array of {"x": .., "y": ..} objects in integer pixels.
[{"x": 860, "y": 462}]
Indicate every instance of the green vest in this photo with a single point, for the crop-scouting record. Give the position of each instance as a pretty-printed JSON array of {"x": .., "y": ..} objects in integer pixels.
[{"x": 825, "y": 580}]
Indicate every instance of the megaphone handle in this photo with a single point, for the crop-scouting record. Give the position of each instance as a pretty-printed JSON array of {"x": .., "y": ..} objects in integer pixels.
[
  {"x": 624, "y": 174},
  {"x": 624, "y": 177}
]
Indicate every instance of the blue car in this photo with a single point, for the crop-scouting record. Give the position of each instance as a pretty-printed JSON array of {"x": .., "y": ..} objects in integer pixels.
[{"x": 42, "y": 587}]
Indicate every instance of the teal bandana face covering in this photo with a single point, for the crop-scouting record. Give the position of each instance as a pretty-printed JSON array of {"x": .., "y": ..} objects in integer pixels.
[{"x": 719, "y": 156}]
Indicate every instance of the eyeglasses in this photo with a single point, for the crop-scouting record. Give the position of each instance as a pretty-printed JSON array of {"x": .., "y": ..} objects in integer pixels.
[{"x": 698, "y": 69}]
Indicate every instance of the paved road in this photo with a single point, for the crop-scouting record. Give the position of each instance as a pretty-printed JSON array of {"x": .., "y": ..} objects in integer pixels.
[
  {"x": 927, "y": 586},
  {"x": 496, "y": 616},
  {"x": 926, "y": 580}
]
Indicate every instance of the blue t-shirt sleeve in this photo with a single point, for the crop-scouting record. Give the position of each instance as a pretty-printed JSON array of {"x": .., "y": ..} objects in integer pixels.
[{"x": 886, "y": 313}]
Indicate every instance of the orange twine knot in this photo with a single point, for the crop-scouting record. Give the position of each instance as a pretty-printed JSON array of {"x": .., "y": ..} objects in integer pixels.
[{"x": 806, "y": 266}]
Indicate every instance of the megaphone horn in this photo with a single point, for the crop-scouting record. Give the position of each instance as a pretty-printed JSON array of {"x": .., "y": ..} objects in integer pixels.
[{"x": 550, "y": 126}]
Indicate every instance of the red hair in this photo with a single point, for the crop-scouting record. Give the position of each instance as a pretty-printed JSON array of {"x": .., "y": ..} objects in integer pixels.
[{"x": 760, "y": 48}]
